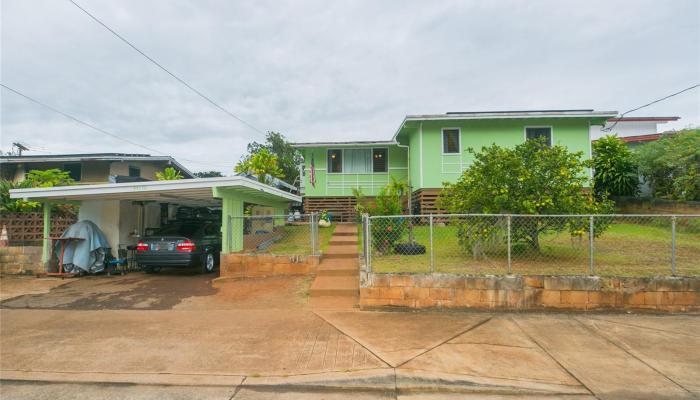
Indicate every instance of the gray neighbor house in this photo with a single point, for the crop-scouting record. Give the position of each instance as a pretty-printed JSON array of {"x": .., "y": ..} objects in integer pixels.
[{"x": 92, "y": 168}]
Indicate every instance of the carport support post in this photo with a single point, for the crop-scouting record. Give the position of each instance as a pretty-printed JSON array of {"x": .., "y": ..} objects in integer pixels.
[
  {"x": 232, "y": 223},
  {"x": 46, "y": 244}
]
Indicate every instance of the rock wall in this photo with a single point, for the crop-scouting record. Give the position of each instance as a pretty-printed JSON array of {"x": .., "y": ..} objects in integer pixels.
[
  {"x": 20, "y": 260},
  {"x": 669, "y": 294},
  {"x": 237, "y": 265}
]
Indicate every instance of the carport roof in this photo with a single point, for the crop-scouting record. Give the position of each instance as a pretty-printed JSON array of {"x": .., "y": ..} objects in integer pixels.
[{"x": 184, "y": 190}]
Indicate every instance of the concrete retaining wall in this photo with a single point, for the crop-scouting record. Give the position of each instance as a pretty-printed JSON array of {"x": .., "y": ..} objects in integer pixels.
[
  {"x": 21, "y": 260},
  {"x": 672, "y": 294},
  {"x": 236, "y": 265}
]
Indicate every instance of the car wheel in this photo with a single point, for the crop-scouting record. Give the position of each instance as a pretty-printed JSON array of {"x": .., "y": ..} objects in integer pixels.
[
  {"x": 152, "y": 270},
  {"x": 208, "y": 263}
]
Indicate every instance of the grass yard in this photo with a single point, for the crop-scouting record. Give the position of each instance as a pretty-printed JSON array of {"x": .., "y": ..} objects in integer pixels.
[
  {"x": 296, "y": 239},
  {"x": 624, "y": 249}
]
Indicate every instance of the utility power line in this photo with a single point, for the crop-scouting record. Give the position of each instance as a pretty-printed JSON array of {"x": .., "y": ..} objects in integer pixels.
[
  {"x": 91, "y": 126},
  {"x": 608, "y": 129},
  {"x": 159, "y": 65}
]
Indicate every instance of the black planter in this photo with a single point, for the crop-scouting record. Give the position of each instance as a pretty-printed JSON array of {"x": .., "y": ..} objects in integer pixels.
[{"x": 409, "y": 249}]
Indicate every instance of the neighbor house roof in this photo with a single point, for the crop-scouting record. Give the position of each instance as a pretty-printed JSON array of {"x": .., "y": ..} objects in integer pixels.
[
  {"x": 642, "y": 138},
  {"x": 93, "y": 157},
  {"x": 644, "y": 119}
]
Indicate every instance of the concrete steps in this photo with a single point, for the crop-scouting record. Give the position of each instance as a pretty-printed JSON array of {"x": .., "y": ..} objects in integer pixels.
[
  {"x": 337, "y": 283},
  {"x": 335, "y": 286}
]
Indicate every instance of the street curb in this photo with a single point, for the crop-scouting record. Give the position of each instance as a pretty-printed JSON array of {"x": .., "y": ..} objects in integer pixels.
[{"x": 123, "y": 378}]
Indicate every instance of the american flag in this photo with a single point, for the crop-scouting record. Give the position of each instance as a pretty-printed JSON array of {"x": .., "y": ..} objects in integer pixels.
[{"x": 312, "y": 172}]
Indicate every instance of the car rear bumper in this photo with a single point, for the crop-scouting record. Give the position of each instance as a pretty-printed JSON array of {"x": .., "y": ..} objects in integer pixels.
[{"x": 181, "y": 260}]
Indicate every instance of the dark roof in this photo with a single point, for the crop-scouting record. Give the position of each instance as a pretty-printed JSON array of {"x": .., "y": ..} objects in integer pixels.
[
  {"x": 517, "y": 111},
  {"x": 115, "y": 155}
]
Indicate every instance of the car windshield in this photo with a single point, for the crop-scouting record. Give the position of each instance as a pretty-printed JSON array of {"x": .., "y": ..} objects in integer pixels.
[{"x": 180, "y": 230}]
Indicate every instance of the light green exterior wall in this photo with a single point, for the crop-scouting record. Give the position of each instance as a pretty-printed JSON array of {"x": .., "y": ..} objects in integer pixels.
[
  {"x": 341, "y": 184},
  {"x": 430, "y": 167}
]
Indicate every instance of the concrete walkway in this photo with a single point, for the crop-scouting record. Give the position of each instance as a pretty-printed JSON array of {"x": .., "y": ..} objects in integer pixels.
[
  {"x": 218, "y": 345},
  {"x": 337, "y": 283}
]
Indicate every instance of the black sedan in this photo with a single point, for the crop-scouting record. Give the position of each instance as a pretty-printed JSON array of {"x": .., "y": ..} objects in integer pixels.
[{"x": 181, "y": 245}]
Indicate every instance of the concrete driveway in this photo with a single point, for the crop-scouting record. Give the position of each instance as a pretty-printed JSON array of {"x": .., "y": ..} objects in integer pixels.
[{"x": 184, "y": 336}]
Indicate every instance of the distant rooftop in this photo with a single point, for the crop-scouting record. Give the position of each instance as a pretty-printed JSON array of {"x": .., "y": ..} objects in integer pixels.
[{"x": 73, "y": 157}]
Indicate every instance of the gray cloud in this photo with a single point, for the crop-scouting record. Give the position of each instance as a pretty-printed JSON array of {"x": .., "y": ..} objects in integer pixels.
[{"x": 319, "y": 70}]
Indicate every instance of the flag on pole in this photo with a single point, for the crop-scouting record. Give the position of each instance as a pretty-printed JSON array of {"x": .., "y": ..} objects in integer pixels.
[{"x": 312, "y": 172}]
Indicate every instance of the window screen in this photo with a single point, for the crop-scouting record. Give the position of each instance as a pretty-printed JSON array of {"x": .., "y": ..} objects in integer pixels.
[
  {"x": 379, "y": 160},
  {"x": 134, "y": 172},
  {"x": 335, "y": 161},
  {"x": 75, "y": 171},
  {"x": 538, "y": 132},
  {"x": 450, "y": 140}
]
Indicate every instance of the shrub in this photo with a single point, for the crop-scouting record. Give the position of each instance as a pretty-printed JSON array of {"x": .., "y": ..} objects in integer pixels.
[
  {"x": 615, "y": 168},
  {"x": 531, "y": 178},
  {"x": 671, "y": 165}
]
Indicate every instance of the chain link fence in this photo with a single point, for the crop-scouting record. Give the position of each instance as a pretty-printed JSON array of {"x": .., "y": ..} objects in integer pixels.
[
  {"x": 495, "y": 244},
  {"x": 278, "y": 234}
]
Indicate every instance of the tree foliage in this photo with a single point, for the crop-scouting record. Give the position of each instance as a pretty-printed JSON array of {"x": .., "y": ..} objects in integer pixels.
[
  {"x": 616, "y": 172},
  {"x": 49, "y": 178},
  {"x": 36, "y": 178},
  {"x": 288, "y": 158},
  {"x": 262, "y": 164},
  {"x": 531, "y": 178},
  {"x": 15, "y": 205},
  {"x": 671, "y": 165},
  {"x": 169, "y": 174},
  {"x": 208, "y": 174}
]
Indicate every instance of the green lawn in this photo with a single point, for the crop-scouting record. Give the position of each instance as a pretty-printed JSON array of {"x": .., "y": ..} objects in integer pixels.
[
  {"x": 624, "y": 249},
  {"x": 296, "y": 239}
]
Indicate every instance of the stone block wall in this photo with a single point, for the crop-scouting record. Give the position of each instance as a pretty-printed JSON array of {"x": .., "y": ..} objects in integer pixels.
[
  {"x": 21, "y": 260},
  {"x": 670, "y": 294},
  {"x": 239, "y": 265}
]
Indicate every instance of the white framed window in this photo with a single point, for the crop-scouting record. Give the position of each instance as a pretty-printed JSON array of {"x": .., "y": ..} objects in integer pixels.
[
  {"x": 536, "y": 132},
  {"x": 451, "y": 141}
]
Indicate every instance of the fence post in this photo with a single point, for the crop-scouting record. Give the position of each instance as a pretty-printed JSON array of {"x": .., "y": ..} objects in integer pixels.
[
  {"x": 432, "y": 252},
  {"x": 368, "y": 243},
  {"x": 673, "y": 245},
  {"x": 510, "y": 262},
  {"x": 590, "y": 245},
  {"x": 312, "y": 231}
]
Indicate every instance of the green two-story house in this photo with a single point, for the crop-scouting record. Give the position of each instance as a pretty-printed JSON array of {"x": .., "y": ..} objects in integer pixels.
[{"x": 427, "y": 150}]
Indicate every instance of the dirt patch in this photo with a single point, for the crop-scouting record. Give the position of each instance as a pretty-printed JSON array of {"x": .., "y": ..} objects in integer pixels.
[
  {"x": 132, "y": 291},
  {"x": 166, "y": 290},
  {"x": 17, "y": 285},
  {"x": 285, "y": 292}
]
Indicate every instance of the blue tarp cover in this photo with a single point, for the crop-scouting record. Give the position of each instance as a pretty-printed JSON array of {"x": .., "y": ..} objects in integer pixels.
[{"x": 87, "y": 255}]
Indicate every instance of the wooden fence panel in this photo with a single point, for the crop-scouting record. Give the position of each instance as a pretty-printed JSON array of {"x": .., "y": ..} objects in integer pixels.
[{"x": 29, "y": 227}]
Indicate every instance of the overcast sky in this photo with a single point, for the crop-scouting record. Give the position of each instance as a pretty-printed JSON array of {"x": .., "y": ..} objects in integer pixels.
[{"x": 328, "y": 70}]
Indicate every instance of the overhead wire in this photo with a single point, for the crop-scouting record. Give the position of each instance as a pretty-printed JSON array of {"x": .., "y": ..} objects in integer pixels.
[
  {"x": 98, "y": 129},
  {"x": 166, "y": 70},
  {"x": 610, "y": 128}
]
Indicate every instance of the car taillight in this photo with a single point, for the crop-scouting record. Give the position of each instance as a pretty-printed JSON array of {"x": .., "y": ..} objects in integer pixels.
[
  {"x": 141, "y": 246},
  {"x": 185, "y": 245}
]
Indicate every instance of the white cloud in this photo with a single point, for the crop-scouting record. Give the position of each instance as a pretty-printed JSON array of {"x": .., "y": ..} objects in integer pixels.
[{"x": 318, "y": 70}]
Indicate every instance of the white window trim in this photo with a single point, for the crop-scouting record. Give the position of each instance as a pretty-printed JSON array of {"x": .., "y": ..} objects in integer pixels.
[
  {"x": 387, "y": 160},
  {"x": 459, "y": 141},
  {"x": 551, "y": 132}
]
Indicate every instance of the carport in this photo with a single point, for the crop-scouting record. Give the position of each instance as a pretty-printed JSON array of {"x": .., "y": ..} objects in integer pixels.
[{"x": 124, "y": 210}]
